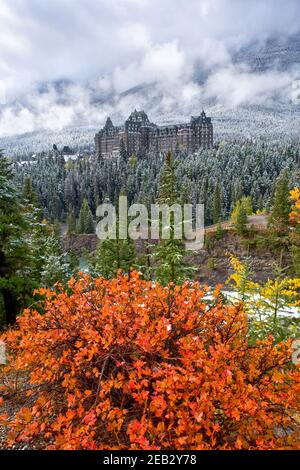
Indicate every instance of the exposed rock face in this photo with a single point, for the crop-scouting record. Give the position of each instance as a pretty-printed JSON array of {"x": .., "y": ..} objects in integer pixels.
[
  {"x": 213, "y": 261},
  {"x": 79, "y": 244},
  {"x": 214, "y": 266}
]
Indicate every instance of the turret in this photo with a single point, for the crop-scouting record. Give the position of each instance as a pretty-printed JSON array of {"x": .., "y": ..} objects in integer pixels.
[{"x": 108, "y": 124}]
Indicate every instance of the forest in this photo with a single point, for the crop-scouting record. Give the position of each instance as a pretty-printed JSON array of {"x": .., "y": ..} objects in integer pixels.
[
  {"x": 233, "y": 168},
  {"x": 136, "y": 353}
]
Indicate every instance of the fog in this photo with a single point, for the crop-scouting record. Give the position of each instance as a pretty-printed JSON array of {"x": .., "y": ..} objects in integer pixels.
[{"x": 72, "y": 62}]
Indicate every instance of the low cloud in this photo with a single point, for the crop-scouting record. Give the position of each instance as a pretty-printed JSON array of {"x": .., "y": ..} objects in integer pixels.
[
  {"x": 75, "y": 105},
  {"x": 163, "y": 63},
  {"x": 68, "y": 63},
  {"x": 237, "y": 86}
]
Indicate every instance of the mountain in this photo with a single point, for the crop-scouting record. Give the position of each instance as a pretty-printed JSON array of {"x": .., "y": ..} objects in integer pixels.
[
  {"x": 281, "y": 53},
  {"x": 250, "y": 97}
]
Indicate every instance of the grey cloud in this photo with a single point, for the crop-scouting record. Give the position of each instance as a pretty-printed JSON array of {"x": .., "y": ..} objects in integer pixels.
[{"x": 179, "y": 52}]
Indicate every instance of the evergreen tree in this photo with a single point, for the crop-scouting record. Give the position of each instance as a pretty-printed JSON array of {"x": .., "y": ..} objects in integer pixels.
[
  {"x": 123, "y": 151},
  {"x": 29, "y": 193},
  {"x": 279, "y": 218},
  {"x": 113, "y": 255},
  {"x": 57, "y": 228},
  {"x": 241, "y": 220},
  {"x": 220, "y": 232},
  {"x": 15, "y": 256},
  {"x": 55, "y": 264},
  {"x": 237, "y": 190},
  {"x": 217, "y": 204},
  {"x": 167, "y": 192},
  {"x": 50, "y": 264},
  {"x": 73, "y": 262},
  {"x": 260, "y": 203},
  {"x": 170, "y": 253},
  {"x": 243, "y": 167},
  {"x": 40, "y": 232},
  {"x": 71, "y": 222},
  {"x": 85, "y": 221}
]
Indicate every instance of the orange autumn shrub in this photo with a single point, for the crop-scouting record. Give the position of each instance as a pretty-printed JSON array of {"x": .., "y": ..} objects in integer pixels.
[{"x": 129, "y": 364}]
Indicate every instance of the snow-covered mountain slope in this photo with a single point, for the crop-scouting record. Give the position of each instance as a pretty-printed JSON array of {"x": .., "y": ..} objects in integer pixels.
[
  {"x": 255, "y": 94},
  {"x": 281, "y": 53}
]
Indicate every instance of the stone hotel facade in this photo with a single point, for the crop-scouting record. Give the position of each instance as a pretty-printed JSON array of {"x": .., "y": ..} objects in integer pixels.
[{"x": 139, "y": 136}]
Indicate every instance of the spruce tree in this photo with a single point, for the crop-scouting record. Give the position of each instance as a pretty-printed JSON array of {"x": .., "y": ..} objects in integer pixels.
[
  {"x": 279, "y": 218},
  {"x": 85, "y": 221},
  {"x": 49, "y": 264},
  {"x": 237, "y": 190},
  {"x": 123, "y": 152},
  {"x": 217, "y": 203},
  {"x": 170, "y": 253},
  {"x": 29, "y": 193},
  {"x": 55, "y": 264},
  {"x": 113, "y": 255},
  {"x": 71, "y": 222},
  {"x": 15, "y": 256},
  {"x": 241, "y": 220},
  {"x": 167, "y": 192},
  {"x": 57, "y": 228}
]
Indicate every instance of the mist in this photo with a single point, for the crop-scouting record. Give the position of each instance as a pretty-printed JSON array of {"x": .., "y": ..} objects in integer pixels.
[{"x": 71, "y": 63}]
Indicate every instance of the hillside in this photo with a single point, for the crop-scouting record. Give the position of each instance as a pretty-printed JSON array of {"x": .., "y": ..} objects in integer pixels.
[{"x": 254, "y": 95}]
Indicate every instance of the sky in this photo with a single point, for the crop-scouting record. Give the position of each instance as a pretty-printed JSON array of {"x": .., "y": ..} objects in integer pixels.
[{"x": 179, "y": 51}]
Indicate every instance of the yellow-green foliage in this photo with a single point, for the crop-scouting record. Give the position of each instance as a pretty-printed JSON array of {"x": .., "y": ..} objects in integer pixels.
[
  {"x": 263, "y": 302},
  {"x": 246, "y": 204},
  {"x": 239, "y": 279}
]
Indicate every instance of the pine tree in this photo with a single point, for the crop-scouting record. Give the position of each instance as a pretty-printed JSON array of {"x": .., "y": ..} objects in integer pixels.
[
  {"x": 217, "y": 204},
  {"x": 50, "y": 264},
  {"x": 241, "y": 220},
  {"x": 237, "y": 191},
  {"x": 57, "y": 228},
  {"x": 251, "y": 169},
  {"x": 15, "y": 256},
  {"x": 123, "y": 151},
  {"x": 29, "y": 193},
  {"x": 219, "y": 232},
  {"x": 71, "y": 222},
  {"x": 55, "y": 264},
  {"x": 113, "y": 255},
  {"x": 40, "y": 232},
  {"x": 170, "y": 253},
  {"x": 85, "y": 221},
  {"x": 167, "y": 192},
  {"x": 279, "y": 218}
]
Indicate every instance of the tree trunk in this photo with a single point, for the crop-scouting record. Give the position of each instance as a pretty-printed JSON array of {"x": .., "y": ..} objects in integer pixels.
[{"x": 10, "y": 307}]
